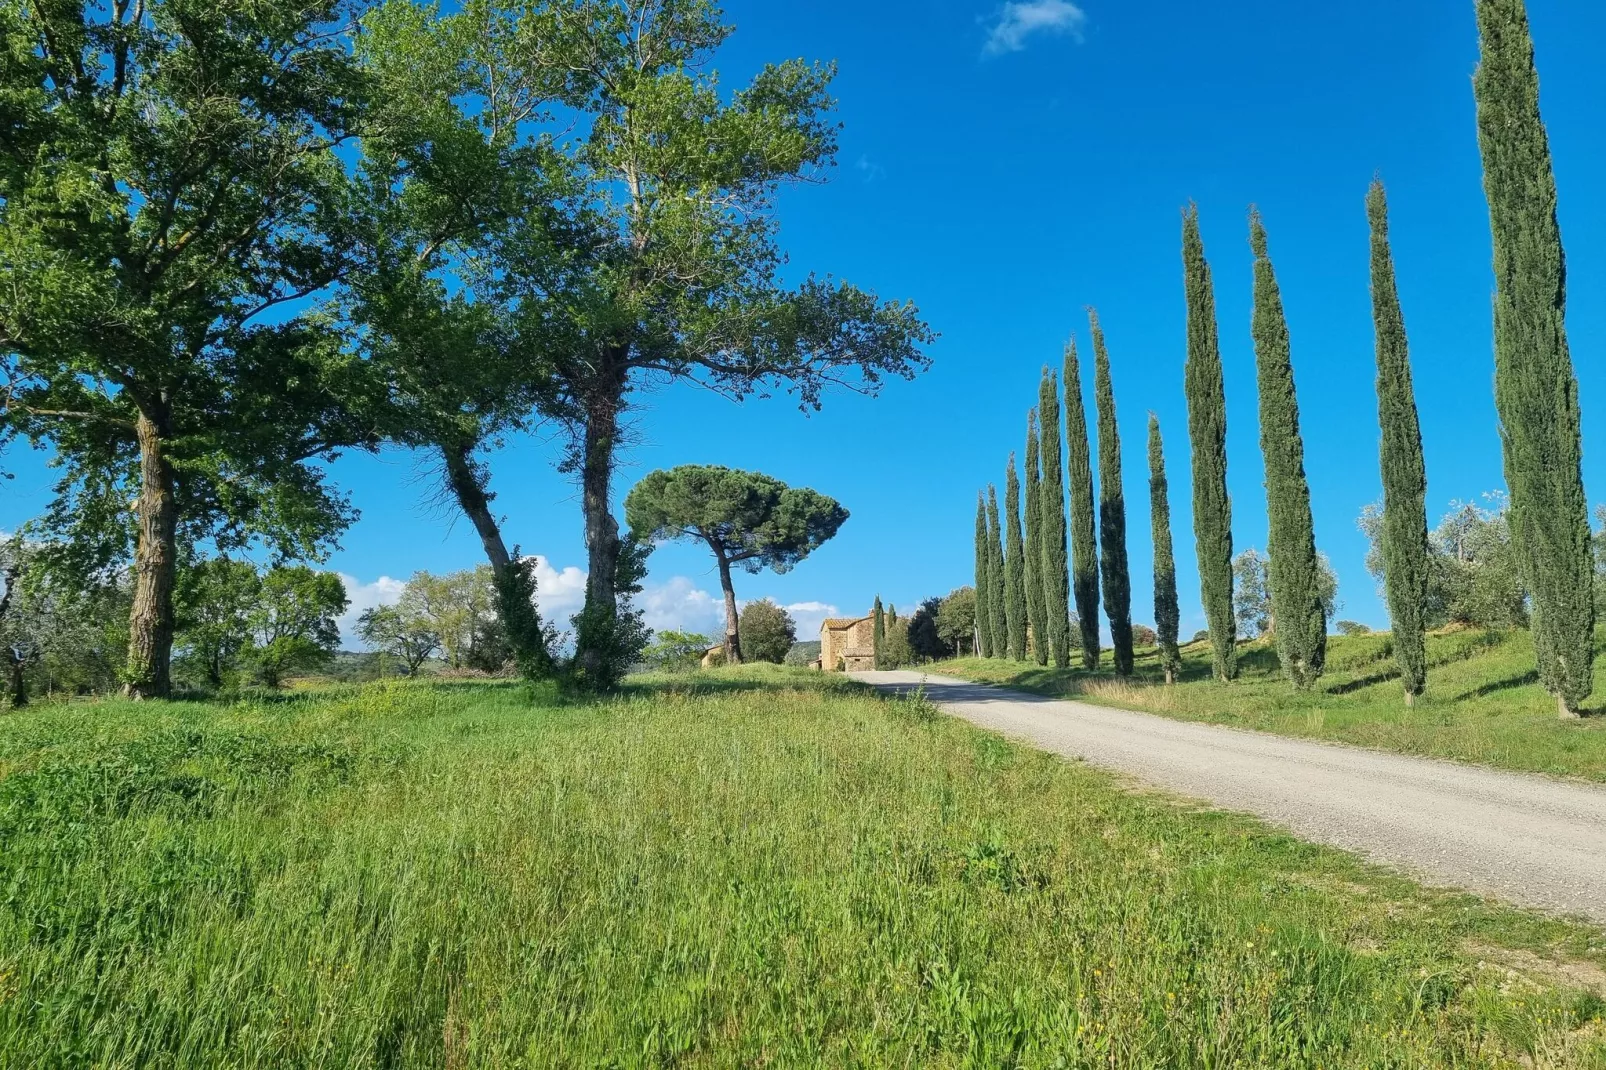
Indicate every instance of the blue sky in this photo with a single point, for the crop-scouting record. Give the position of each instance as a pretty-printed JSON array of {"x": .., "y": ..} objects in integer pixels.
[{"x": 1005, "y": 166}]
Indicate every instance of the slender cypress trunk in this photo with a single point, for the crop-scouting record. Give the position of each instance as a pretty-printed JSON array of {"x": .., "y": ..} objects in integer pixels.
[
  {"x": 1207, "y": 433},
  {"x": 1014, "y": 566},
  {"x": 1084, "y": 537},
  {"x": 1112, "y": 509},
  {"x": 997, "y": 615},
  {"x": 1292, "y": 571},
  {"x": 1166, "y": 614},
  {"x": 1536, "y": 392},
  {"x": 733, "y": 639},
  {"x": 984, "y": 626},
  {"x": 1051, "y": 501},
  {"x": 1405, "y": 519},
  {"x": 150, "y": 622},
  {"x": 1036, "y": 616}
]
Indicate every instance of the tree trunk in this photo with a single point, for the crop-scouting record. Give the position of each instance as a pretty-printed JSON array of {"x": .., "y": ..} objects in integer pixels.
[
  {"x": 1564, "y": 711},
  {"x": 19, "y": 686},
  {"x": 601, "y": 531},
  {"x": 150, "y": 623},
  {"x": 476, "y": 503},
  {"x": 733, "y": 638}
]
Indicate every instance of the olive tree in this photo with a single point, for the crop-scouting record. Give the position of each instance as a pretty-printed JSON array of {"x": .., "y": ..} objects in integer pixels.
[{"x": 747, "y": 519}]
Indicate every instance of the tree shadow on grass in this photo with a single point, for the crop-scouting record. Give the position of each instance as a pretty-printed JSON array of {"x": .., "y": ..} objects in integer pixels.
[
  {"x": 1496, "y": 686},
  {"x": 1363, "y": 682}
]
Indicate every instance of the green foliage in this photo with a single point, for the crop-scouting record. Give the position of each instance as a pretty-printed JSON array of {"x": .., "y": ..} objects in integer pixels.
[
  {"x": 982, "y": 618},
  {"x": 1536, "y": 392},
  {"x": 404, "y": 636},
  {"x": 896, "y": 649},
  {"x": 1404, "y": 523},
  {"x": 1254, "y": 601},
  {"x": 1051, "y": 503},
  {"x": 170, "y": 185},
  {"x": 926, "y": 641},
  {"x": 675, "y": 652},
  {"x": 1473, "y": 576},
  {"x": 1036, "y": 611},
  {"x": 1167, "y": 616},
  {"x": 359, "y": 877},
  {"x": 216, "y": 598},
  {"x": 1113, "y": 568},
  {"x": 1143, "y": 635},
  {"x": 1207, "y": 435},
  {"x": 1084, "y": 538},
  {"x": 1015, "y": 615},
  {"x": 1353, "y": 627},
  {"x": 997, "y": 616},
  {"x": 1295, "y": 576},
  {"x": 957, "y": 620},
  {"x": 293, "y": 624},
  {"x": 768, "y": 631}
]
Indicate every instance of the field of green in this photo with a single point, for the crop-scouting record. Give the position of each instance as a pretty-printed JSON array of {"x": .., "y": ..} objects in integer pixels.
[
  {"x": 760, "y": 867},
  {"x": 1483, "y": 703}
]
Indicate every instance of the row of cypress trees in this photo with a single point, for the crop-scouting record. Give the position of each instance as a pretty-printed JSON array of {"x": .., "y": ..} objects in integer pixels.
[{"x": 1029, "y": 585}]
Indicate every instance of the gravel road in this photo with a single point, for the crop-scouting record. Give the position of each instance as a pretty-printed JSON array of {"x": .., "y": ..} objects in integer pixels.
[{"x": 1529, "y": 839}]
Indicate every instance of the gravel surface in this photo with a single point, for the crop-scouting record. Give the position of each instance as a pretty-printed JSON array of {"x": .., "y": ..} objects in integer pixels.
[{"x": 1526, "y": 838}]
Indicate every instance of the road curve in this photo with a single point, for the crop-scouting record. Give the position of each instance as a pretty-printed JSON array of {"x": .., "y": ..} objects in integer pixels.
[{"x": 1525, "y": 838}]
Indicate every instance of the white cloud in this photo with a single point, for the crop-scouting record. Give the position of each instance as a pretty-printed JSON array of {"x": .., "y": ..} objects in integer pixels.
[
  {"x": 559, "y": 593},
  {"x": 809, "y": 616},
  {"x": 1021, "y": 19},
  {"x": 680, "y": 605},
  {"x": 382, "y": 592},
  {"x": 870, "y": 169}
]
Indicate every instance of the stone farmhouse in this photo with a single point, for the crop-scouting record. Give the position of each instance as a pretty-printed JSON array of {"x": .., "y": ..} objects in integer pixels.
[{"x": 847, "y": 644}]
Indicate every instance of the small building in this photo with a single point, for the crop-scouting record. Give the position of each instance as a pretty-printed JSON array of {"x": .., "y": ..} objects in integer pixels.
[{"x": 847, "y": 644}]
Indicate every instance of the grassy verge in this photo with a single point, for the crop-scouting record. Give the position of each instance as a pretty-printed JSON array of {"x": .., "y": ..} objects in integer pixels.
[
  {"x": 1483, "y": 704},
  {"x": 746, "y": 868}
]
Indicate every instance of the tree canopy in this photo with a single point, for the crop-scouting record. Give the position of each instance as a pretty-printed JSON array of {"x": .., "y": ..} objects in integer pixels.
[{"x": 748, "y": 520}]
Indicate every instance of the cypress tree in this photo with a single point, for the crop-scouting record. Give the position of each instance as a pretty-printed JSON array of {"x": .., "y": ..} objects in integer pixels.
[
  {"x": 1405, "y": 518},
  {"x": 1293, "y": 571},
  {"x": 1112, "y": 508},
  {"x": 1207, "y": 434},
  {"x": 1035, "y": 614},
  {"x": 880, "y": 634},
  {"x": 1051, "y": 501},
  {"x": 1084, "y": 540},
  {"x": 1536, "y": 393},
  {"x": 1014, "y": 566},
  {"x": 984, "y": 628},
  {"x": 1166, "y": 614},
  {"x": 997, "y": 616}
]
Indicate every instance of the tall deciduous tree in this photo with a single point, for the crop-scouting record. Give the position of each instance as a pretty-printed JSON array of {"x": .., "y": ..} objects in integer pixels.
[
  {"x": 1014, "y": 566},
  {"x": 170, "y": 185},
  {"x": 1294, "y": 572},
  {"x": 984, "y": 624},
  {"x": 1084, "y": 536},
  {"x": 1112, "y": 508},
  {"x": 1404, "y": 529},
  {"x": 1036, "y": 615},
  {"x": 1166, "y": 613},
  {"x": 748, "y": 520},
  {"x": 1207, "y": 434},
  {"x": 1051, "y": 504},
  {"x": 997, "y": 595},
  {"x": 1536, "y": 392}
]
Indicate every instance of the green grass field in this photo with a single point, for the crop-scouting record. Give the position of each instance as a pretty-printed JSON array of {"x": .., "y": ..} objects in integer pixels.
[
  {"x": 743, "y": 868},
  {"x": 1483, "y": 703}
]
